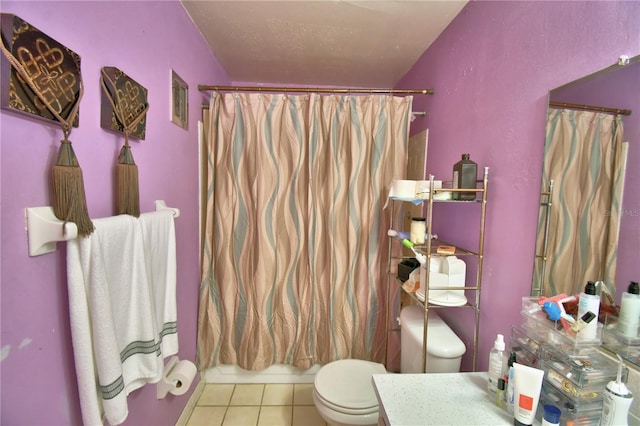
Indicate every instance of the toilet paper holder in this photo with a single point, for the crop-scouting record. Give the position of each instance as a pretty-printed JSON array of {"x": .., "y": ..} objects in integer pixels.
[{"x": 170, "y": 384}]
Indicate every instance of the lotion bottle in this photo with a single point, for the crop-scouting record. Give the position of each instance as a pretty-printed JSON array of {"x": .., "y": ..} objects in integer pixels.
[
  {"x": 589, "y": 302},
  {"x": 497, "y": 363},
  {"x": 629, "y": 317}
]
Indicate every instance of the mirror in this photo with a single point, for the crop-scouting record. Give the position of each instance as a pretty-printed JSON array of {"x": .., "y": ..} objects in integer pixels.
[{"x": 616, "y": 87}]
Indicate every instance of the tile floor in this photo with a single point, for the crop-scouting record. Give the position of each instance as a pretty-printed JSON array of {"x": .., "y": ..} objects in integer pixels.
[{"x": 256, "y": 405}]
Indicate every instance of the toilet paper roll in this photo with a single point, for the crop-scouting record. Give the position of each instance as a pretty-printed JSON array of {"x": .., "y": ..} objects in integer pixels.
[
  {"x": 181, "y": 376},
  {"x": 403, "y": 189}
]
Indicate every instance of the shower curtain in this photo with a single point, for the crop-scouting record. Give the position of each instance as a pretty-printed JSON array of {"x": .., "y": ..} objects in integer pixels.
[
  {"x": 293, "y": 252},
  {"x": 585, "y": 156}
]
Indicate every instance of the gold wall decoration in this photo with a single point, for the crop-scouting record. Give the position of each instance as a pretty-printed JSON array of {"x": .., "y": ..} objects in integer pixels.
[
  {"x": 53, "y": 68},
  {"x": 127, "y": 95}
]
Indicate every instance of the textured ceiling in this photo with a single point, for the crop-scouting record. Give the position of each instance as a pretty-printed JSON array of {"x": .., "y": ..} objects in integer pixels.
[{"x": 368, "y": 44}]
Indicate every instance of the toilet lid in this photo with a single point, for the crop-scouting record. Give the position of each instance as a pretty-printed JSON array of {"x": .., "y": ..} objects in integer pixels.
[{"x": 347, "y": 383}]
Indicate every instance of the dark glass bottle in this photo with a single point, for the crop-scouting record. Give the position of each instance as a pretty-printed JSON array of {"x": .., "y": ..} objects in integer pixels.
[{"x": 465, "y": 174}]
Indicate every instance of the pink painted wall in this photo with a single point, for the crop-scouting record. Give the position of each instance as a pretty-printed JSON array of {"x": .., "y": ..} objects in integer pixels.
[
  {"x": 38, "y": 381},
  {"x": 491, "y": 70}
]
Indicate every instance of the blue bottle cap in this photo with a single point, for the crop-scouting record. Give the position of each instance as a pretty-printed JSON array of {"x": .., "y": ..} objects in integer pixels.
[{"x": 552, "y": 413}]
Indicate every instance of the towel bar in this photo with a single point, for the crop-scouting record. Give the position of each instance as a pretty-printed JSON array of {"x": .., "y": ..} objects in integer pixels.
[
  {"x": 44, "y": 229},
  {"x": 161, "y": 205}
]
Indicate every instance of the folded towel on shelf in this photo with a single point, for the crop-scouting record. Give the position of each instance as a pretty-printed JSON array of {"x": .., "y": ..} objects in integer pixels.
[
  {"x": 159, "y": 237},
  {"x": 114, "y": 330}
]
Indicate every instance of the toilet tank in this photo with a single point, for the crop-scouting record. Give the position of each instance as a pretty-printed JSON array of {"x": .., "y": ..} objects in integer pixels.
[{"x": 444, "y": 348}]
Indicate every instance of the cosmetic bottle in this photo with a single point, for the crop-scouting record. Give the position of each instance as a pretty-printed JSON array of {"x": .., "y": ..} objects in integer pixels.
[
  {"x": 500, "y": 393},
  {"x": 418, "y": 230},
  {"x": 551, "y": 415},
  {"x": 583, "y": 322},
  {"x": 589, "y": 302},
  {"x": 465, "y": 174},
  {"x": 510, "y": 382},
  {"x": 497, "y": 363},
  {"x": 629, "y": 317}
]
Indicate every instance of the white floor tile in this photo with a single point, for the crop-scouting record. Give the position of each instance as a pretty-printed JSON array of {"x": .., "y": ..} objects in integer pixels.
[
  {"x": 241, "y": 416},
  {"x": 244, "y": 394},
  {"x": 303, "y": 394},
  {"x": 305, "y": 415},
  {"x": 207, "y": 416},
  {"x": 275, "y": 415},
  {"x": 278, "y": 394},
  {"x": 216, "y": 394}
]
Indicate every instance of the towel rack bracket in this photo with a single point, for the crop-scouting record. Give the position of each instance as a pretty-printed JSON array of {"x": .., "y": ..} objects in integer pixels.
[
  {"x": 44, "y": 230},
  {"x": 161, "y": 205}
]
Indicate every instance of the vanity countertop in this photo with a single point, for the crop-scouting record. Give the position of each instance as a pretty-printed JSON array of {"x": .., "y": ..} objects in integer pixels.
[{"x": 437, "y": 399}]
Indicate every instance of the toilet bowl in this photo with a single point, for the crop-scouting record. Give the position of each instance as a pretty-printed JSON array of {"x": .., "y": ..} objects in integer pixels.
[
  {"x": 343, "y": 392},
  {"x": 444, "y": 347}
]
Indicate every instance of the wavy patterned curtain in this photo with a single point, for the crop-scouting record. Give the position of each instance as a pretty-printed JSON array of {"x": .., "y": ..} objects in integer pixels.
[
  {"x": 293, "y": 257},
  {"x": 586, "y": 158}
]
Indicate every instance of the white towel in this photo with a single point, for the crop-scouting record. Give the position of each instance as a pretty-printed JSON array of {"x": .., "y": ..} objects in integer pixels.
[
  {"x": 115, "y": 339},
  {"x": 159, "y": 238}
]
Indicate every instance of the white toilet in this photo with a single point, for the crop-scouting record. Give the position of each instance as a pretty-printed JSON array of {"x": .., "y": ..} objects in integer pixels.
[
  {"x": 343, "y": 391},
  {"x": 444, "y": 347}
]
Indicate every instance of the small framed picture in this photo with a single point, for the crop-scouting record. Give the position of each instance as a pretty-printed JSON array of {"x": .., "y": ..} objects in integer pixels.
[{"x": 179, "y": 101}]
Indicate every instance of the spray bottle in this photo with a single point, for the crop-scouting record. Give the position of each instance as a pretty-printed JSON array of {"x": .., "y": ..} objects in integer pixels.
[
  {"x": 497, "y": 363},
  {"x": 616, "y": 401}
]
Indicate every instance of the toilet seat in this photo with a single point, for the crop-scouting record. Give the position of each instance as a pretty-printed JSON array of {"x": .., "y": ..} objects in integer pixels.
[
  {"x": 345, "y": 386},
  {"x": 345, "y": 410}
]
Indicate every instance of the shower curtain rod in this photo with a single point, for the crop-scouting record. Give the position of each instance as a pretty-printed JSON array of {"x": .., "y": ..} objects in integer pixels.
[
  {"x": 590, "y": 108},
  {"x": 202, "y": 88},
  {"x": 416, "y": 113}
]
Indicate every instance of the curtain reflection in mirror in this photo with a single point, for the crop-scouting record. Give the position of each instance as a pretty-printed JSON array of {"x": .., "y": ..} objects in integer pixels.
[{"x": 585, "y": 157}]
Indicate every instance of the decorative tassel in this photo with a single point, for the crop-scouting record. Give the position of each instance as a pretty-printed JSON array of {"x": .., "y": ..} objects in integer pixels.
[
  {"x": 128, "y": 193},
  {"x": 69, "y": 201}
]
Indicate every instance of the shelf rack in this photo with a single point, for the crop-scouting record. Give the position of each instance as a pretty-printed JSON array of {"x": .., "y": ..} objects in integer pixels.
[
  {"x": 546, "y": 202},
  {"x": 429, "y": 249}
]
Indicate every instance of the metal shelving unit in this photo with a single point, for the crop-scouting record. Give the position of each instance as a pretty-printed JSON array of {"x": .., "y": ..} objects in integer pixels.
[
  {"x": 429, "y": 249},
  {"x": 546, "y": 202}
]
